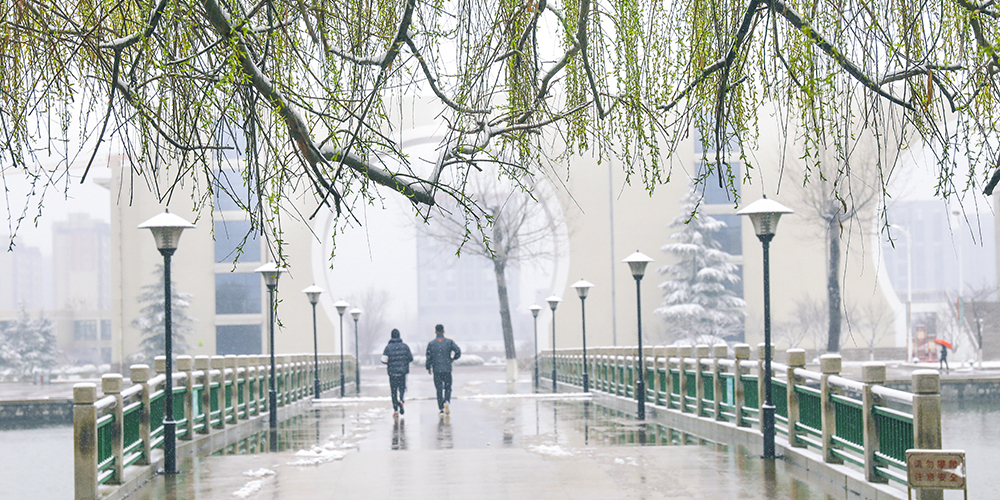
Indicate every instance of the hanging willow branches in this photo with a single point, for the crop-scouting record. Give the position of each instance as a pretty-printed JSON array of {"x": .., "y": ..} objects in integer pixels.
[{"x": 308, "y": 92}]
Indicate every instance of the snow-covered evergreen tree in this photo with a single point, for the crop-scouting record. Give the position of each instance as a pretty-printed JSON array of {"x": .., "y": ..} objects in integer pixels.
[
  {"x": 27, "y": 345},
  {"x": 150, "y": 323},
  {"x": 697, "y": 306}
]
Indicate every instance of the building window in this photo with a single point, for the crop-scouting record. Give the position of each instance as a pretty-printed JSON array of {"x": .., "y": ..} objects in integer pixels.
[
  {"x": 237, "y": 293},
  {"x": 710, "y": 190},
  {"x": 230, "y": 236},
  {"x": 730, "y": 238},
  {"x": 85, "y": 329},
  {"x": 105, "y": 329},
  {"x": 231, "y": 192},
  {"x": 237, "y": 339}
]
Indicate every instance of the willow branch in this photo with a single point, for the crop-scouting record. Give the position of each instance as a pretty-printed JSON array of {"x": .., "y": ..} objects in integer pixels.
[
  {"x": 725, "y": 62},
  {"x": 796, "y": 20},
  {"x": 412, "y": 190},
  {"x": 432, "y": 81},
  {"x": 581, "y": 40},
  {"x": 154, "y": 20}
]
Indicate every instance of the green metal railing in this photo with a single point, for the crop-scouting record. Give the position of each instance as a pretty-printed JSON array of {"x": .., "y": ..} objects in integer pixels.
[
  {"x": 677, "y": 376},
  {"x": 128, "y": 424}
]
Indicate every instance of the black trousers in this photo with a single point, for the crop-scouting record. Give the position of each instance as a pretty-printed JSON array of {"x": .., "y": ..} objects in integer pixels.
[
  {"x": 442, "y": 382},
  {"x": 397, "y": 386}
]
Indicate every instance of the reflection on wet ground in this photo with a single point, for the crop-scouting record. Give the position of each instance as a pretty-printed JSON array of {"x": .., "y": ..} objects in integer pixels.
[{"x": 492, "y": 445}]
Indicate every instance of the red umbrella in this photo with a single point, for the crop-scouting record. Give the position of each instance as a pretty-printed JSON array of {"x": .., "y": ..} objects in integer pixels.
[{"x": 944, "y": 343}]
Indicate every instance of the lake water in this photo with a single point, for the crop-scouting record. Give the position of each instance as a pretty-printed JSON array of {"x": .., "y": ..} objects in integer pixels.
[{"x": 38, "y": 463}]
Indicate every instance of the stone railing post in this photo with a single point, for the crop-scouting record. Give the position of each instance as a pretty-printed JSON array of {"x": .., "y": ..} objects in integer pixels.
[
  {"x": 185, "y": 365},
  {"x": 85, "y": 439},
  {"x": 719, "y": 351},
  {"x": 658, "y": 362},
  {"x": 160, "y": 367},
  {"x": 289, "y": 385},
  {"x": 829, "y": 364},
  {"x": 254, "y": 376},
  {"x": 927, "y": 419},
  {"x": 872, "y": 374},
  {"x": 796, "y": 361},
  {"x": 243, "y": 373},
  {"x": 760, "y": 382},
  {"x": 203, "y": 365},
  {"x": 684, "y": 352},
  {"x": 230, "y": 375},
  {"x": 700, "y": 352},
  {"x": 111, "y": 385},
  {"x": 670, "y": 353},
  {"x": 139, "y": 374},
  {"x": 217, "y": 375},
  {"x": 741, "y": 353}
]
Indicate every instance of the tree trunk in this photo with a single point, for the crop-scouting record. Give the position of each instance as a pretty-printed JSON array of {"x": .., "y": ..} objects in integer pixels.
[
  {"x": 833, "y": 286},
  {"x": 499, "y": 269}
]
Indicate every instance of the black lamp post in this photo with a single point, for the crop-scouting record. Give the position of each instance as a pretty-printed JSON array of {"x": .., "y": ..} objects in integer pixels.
[
  {"x": 553, "y": 304},
  {"x": 356, "y": 313},
  {"x": 270, "y": 272},
  {"x": 582, "y": 287},
  {"x": 313, "y": 293},
  {"x": 534, "y": 313},
  {"x": 764, "y": 215},
  {"x": 637, "y": 263},
  {"x": 167, "y": 229},
  {"x": 341, "y": 307}
]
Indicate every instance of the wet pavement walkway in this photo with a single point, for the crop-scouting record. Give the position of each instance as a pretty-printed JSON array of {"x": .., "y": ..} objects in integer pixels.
[{"x": 493, "y": 445}]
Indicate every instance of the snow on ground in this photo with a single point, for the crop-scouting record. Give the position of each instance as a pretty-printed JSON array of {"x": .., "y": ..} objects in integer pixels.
[
  {"x": 256, "y": 481},
  {"x": 551, "y": 450},
  {"x": 317, "y": 455},
  {"x": 248, "y": 489}
]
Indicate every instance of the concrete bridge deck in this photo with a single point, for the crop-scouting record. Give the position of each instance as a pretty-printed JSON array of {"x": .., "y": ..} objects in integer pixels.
[{"x": 494, "y": 445}]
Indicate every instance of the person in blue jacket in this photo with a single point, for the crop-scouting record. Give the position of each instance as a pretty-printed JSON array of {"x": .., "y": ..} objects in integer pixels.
[
  {"x": 440, "y": 353},
  {"x": 397, "y": 356}
]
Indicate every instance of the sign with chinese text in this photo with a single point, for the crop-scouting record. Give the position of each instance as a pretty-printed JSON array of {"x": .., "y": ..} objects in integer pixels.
[{"x": 938, "y": 469}]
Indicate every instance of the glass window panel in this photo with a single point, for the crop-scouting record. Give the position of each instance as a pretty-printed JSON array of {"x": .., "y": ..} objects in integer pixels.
[
  {"x": 229, "y": 235},
  {"x": 711, "y": 192},
  {"x": 237, "y": 293},
  {"x": 85, "y": 329},
  {"x": 231, "y": 191},
  {"x": 730, "y": 237},
  {"x": 237, "y": 339}
]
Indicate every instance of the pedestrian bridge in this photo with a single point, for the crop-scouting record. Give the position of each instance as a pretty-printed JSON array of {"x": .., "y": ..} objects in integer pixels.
[{"x": 502, "y": 441}]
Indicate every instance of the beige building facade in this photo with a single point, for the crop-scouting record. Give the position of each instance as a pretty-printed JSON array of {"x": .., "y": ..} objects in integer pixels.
[{"x": 602, "y": 219}]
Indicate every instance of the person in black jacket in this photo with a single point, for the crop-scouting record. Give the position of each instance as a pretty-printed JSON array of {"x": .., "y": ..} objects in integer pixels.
[
  {"x": 397, "y": 356},
  {"x": 439, "y": 358}
]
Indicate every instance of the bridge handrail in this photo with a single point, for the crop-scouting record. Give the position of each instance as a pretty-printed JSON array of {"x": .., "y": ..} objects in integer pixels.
[
  {"x": 844, "y": 419},
  {"x": 123, "y": 427}
]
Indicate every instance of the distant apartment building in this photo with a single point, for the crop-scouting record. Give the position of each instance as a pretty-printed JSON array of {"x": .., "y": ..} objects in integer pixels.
[
  {"x": 25, "y": 286},
  {"x": 81, "y": 288}
]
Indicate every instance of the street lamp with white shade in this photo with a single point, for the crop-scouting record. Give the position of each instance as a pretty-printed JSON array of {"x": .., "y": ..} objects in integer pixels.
[
  {"x": 341, "y": 308},
  {"x": 313, "y": 292},
  {"x": 764, "y": 214},
  {"x": 637, "y": 263},
  {"x": 167, "y": 229},
  {"x": 271, "y": 272},
  {"x": 356, "y": 313},
  {"x": 553, "y": 304},
  {"x": 582, "y": 288},
  {"x": 534, "y": 313}
]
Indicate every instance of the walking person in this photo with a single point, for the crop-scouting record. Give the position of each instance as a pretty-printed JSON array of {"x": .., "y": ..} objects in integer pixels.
[
  {"x": 439, "y": 359},
  {"x": 397, "y": 356},
  {"x": 943, "y": 359}
]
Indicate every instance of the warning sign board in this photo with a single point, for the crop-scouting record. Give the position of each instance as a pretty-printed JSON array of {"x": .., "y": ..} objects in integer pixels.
[{"x": 937, "y": 469}]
